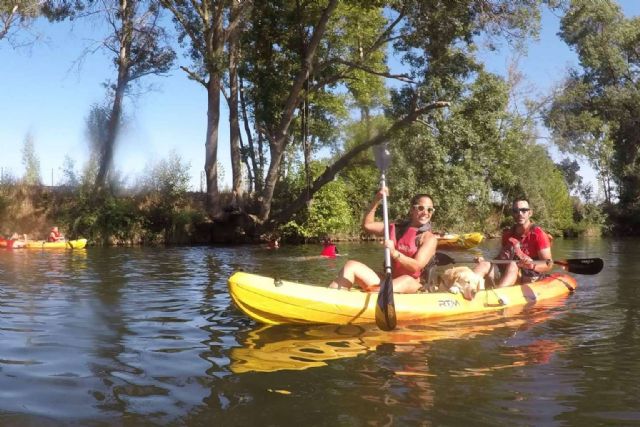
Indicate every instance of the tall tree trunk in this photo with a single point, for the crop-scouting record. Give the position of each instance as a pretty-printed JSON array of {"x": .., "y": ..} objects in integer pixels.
[
  {"x": 250, "y": 150},
  {"x": 245, "y": 159},
  {"x": 234, "y": 124},
  {"x": 279, "y": 139},
  {"x": 211, "y": 145},
  {"x": 261, "y": 163},
  {"x": 127, "y": 12}
]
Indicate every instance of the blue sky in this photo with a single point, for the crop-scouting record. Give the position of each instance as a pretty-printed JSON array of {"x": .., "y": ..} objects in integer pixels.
[{"x": 43, "y": 92}]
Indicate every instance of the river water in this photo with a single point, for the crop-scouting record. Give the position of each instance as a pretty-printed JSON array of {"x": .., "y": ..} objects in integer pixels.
[{"x": 149, "y": 336}]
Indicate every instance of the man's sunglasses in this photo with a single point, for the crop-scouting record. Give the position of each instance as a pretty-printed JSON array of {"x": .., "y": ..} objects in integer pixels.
[
  {"x": 421, "y": 208},
  {"x": 520, "y": 210}
]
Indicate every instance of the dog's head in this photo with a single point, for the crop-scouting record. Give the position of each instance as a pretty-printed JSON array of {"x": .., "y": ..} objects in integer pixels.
[{"x": 463, "y": 280}]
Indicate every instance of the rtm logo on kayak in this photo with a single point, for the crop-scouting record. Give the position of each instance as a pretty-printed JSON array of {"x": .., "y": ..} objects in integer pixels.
[{"x": 450, "y": 303}]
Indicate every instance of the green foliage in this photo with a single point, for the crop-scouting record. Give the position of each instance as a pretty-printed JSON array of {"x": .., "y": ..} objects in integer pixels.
[
  {"x": 596, "y": 112},
  {"x": 362, "y": 177},
  {"x": 570, "y": 169},
  {"x": 100, "y": 217},
  {"x": 540, "y": 181},
  {"x": 589, "y": 219},
  {"x": 169, "y": 177},
  {"x": 328, "y": 213},
  {"x": 164, "y": 189},
  {"x": 458, "y": 157},
  {"x": 31, "y": 162},
  {"x": 475, "y": 155}
]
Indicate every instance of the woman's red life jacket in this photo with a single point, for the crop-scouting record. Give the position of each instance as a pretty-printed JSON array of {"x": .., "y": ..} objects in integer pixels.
[{"x": 407, "y": 245}]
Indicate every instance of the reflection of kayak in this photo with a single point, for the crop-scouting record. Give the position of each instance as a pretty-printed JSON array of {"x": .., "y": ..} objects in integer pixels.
[
  {"x": 460, "y": 241},
  {"x": 277, "y": 301},
  {"x": 271, "y": 348},
  {"x": 71, "y": 244}
]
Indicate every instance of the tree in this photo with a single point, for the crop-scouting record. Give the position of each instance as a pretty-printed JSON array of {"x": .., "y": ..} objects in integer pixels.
[
  {"x": 16, "y": 16},
  {"x": 208, "y": 26},
  {"x": 137, "y": 44},
  {"x": 30, "y": 161},
  {"x": 16, "y": 13},
  {"x": 596, "y": 112},
  {"x": 430, "y": 37},
  {"x": 293, "y": 53},
  {"x": 569, "y": 169}
]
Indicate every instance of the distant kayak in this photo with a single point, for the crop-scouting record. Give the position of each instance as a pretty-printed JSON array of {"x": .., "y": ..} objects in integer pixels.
[
  {"x": 69, "y": 244},
  {"x": 11, "y": 244},
  {"x": 460, "y": 241},
  {"x": 274, "y": 301}
]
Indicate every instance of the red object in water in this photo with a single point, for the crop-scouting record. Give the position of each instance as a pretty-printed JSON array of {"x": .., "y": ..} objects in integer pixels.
[{"x": 329, "y": 250}]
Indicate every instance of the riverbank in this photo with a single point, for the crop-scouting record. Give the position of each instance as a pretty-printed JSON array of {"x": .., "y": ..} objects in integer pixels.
[{"x": 130, "y": 218}]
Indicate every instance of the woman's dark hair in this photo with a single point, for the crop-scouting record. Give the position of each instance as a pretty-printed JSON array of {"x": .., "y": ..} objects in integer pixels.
[{"x": 417, "y": 197}]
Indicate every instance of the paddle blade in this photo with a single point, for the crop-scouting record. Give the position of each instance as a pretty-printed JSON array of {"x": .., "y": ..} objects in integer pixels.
[
  {"x": 382, "y": 156},
  {"x": 385, "y": 307},
  {"x": 582, "y": 265},
  {"x": 443, "y": 259}
]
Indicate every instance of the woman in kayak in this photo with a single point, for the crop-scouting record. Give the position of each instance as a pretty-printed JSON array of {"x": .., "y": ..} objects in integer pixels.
[
  {"x": 55, "y": 235},
  {"x": 412, "y": 247}
]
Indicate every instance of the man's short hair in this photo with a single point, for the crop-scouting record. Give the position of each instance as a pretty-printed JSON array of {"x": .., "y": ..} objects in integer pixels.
[{"x": 520, "y": 199}]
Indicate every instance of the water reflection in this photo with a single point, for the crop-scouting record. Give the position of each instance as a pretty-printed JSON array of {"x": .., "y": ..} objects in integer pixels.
[
  {"x": 284, "y": 347},
  {"x": 131, "y": 336}
]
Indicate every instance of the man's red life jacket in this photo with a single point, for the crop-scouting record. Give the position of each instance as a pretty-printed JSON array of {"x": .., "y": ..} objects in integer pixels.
[{"x": 531, "y": 242}]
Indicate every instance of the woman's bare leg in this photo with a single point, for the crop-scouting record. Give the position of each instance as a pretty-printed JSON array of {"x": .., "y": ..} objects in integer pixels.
[
  {"x": 406, "y": 284},
  {"x": 355, "y": 272}
]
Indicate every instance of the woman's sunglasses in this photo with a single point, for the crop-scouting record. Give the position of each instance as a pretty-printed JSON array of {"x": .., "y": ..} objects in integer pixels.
[
  {"x": 421, "y": 208},
  {"x": 520, "y": 210}
]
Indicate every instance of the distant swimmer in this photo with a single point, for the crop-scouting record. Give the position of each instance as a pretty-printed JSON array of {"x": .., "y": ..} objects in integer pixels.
[
  {"x": 329, "y": 249},
  {"x": 273, "y": 243}
]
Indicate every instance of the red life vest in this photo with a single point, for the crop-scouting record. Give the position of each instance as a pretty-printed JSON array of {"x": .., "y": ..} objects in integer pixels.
[
  {"x": 407, "y": 245},
  {"x": 531, "y": 242},
  {"x": 329, "y": 251},
  {"x": 57, "y": 235}
]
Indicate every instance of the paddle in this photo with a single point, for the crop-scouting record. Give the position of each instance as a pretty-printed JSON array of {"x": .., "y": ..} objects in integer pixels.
[
  {"x": 572, "y": 265},
  {"x": 385, "y": 307}
]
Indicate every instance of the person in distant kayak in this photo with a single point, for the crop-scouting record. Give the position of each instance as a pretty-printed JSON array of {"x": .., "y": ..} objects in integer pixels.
[
  {"x": 273, "y": 243},
  {"x": 18, "y": 241},
  {"x": 524, "y": 242},
  {"x": 55, "y": 235},
  {"x": 412, "y": 246},
  {"x": 329, "y": 248}
]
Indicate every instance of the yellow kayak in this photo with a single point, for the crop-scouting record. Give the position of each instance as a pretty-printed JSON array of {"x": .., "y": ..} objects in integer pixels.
[
  {"x": 460, "y": 241},
  {"x": 273, "y": 301},
  {"x": 69, "y": 244}
]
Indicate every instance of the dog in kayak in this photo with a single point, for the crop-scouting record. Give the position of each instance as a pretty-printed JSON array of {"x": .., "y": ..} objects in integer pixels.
[{"x": 462, "y": 280}]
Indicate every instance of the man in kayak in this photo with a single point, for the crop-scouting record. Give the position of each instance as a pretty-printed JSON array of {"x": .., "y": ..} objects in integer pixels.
[
  {"x": 524, "y": 242},
  {"x": 412, "y": 248}
]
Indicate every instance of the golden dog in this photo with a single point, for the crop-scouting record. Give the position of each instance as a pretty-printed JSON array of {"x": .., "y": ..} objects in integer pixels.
[{"x": 462, "y": 280}]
